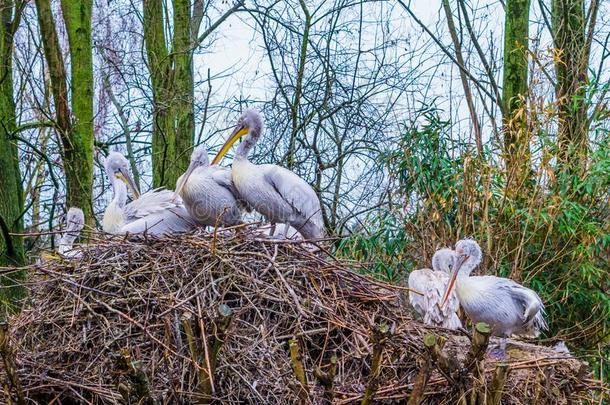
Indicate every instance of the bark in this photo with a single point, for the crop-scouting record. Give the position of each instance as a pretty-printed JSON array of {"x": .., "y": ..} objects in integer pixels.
[
  {"x": 170, "y": 62},
  {"x": 572, "y": 59},
  {"x": 79, "y": 158},
  {"x": 515, "y": 87},
  {"x": 160, "y": 70},
  {"x": 76, "y": 134},
  {"x": 11, "y": 200}
]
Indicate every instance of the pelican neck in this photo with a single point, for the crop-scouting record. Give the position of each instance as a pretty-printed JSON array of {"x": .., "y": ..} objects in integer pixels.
[{"x": 120, "y": 193}]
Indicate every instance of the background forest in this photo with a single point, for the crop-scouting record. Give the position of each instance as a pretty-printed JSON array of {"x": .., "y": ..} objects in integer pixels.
[{"x": 417, "y": 124}]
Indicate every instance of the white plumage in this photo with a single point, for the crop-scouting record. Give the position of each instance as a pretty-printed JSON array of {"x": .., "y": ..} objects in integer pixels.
[
  {"x": 75, "y": 221},
  {"x": 432, "y": 284},
  {"x": 208, "y": 192},
  {"x": 506, "y": 306},
  {"x": 156, "y": 212},
  {"x": 275, "y": 192}
]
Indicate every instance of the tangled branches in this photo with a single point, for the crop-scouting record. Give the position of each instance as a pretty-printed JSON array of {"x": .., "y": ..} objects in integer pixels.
[{"x": 237, "y": 318}]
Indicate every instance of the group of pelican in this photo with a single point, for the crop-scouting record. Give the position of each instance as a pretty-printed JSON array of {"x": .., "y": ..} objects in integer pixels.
[
  {"x": 506, "y": 306},
  {"x": 210, "y": 195}
]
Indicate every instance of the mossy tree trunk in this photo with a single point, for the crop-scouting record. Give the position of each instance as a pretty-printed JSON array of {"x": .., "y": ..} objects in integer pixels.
[
  {"x": 75, "y": 125},
  {"x": 11, "y": 199},
  {"x": 78, "y": 156},
  {"x": 170, "y": 61},
  {"x": 572, "y": 34},
  {"x": 171, "y": 77},
  {"x": 514, "y": 90}
]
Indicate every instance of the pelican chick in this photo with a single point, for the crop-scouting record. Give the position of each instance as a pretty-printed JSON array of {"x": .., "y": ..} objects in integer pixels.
[
  {"x": 433, "y": 283},
  {"x": 506, "y": 306},
  {"x": 208, "y": 192},
  {"x": 75, "y": 221},
  {"x": 275, "y": 192},
  {"x": 156, "y": 212}
]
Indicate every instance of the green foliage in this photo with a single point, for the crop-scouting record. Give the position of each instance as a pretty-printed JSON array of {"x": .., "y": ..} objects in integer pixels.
[{"x": 553, "y": 236}]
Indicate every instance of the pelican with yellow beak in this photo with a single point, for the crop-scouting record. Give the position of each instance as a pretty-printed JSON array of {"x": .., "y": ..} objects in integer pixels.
[
  {"x": 275, "y": 192},
  {"x": 155, "y": 212},
  {"x": 507, "y": 307},
  {"x": 208, "y": 192}
]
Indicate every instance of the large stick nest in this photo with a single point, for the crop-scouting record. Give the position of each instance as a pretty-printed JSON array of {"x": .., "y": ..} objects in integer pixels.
[{"x": 140, "y": 320}]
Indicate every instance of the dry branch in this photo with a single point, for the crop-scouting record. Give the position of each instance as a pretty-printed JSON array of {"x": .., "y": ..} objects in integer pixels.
[{"x": 206, "y": 319}]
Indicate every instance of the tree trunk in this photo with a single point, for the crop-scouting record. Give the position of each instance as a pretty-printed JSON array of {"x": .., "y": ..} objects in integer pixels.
[
  {"x": 172, "y": 88},
  {"x": 184, "y": 82},
  {"x": 11, "y": 200},
  {"x": 514, "y": 90},
  {"x": 170, "y": 63},
  {"x": 76, "y": 136},
  {"x": 78, "y": 159},
  {"x": 160, "y": 71},
  {"x": 571, "y": 62}
]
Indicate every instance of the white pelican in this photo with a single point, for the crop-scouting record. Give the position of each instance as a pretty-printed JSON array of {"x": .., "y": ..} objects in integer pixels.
[
  {"x": 433, "y": 283},
  {"x": 507, "y": 307},
  {"x": 208, "y": 192},
  {"x": 277, "y": 193},
  {"x": 75, "y": 221},
  {"x": 156, "y": 212}
]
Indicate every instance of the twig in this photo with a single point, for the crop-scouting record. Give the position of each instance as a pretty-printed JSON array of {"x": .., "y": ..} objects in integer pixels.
[
  {"x": 296, "y": 360},
  {"x": 8, "y": 359},
  {"x": 378, "y": 339}
]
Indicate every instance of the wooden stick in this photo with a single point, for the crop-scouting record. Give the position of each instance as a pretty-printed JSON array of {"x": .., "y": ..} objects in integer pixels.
[
  {"x": 435, "y": 349},
  {"x": 138, "y": 378},
  {"x": 419, "y": 384},
  {"x": 497, "y": 384},
  {"x": 474, "y": 361},
  {"x": 221, "y": 326},
  {"x": 299, "y": 369},
  {"x": 378, "y": 339},
  {"x": 478, "y": 347},
  {"x": 9, "y": 364},
  {"x": 327, "y": 379}
]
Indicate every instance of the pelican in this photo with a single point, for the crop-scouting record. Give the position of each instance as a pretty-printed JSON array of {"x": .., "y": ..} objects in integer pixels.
[
  {"x": 507, "y": 307},
  {"x": 156, "y": 212},
  {"x": 433, "y": 283},
  {"x": 208, "y": 192},
  {"x": 275, "y": 192},
  {"x": 75, "y": 221}
]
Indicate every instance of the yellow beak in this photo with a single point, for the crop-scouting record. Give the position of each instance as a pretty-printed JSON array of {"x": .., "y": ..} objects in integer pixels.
[
  {"x": 239, "y": 132},
  {"x": 126, "y": 178}
]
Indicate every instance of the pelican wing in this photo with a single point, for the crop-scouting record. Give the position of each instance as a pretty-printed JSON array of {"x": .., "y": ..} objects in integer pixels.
[
  {"x": 433, "y": 284},
  {"x": 530, "y": 306},
  {"x": 296, "y": 192},
  {"x": 168, "y": 221},
  {"x": 222, "y": 177},
  {"x": 149, "y": 203}
]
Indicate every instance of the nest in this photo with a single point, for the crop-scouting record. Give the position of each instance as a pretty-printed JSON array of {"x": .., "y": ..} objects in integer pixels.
[{"x": 233, "y": 317}]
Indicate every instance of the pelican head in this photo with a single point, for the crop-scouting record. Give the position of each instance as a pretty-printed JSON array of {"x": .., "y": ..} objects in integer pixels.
[
  {"x": 117, "y": 168},
  {"x": 199, "y": 158},
  {"x": 467, "y": 256},
  {"x": 251, "y": 124},
  {"x": 470, "y": 249},
  {"x": 443, "y": 260}
]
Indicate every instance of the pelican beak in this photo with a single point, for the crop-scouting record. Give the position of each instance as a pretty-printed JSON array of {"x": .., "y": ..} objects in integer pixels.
[
  {"x": 456, "y": 269},
  {"x": 182, "y": 182},
  {"x": 238, "y": 132},
  {"x": 126, "y": 178}
]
